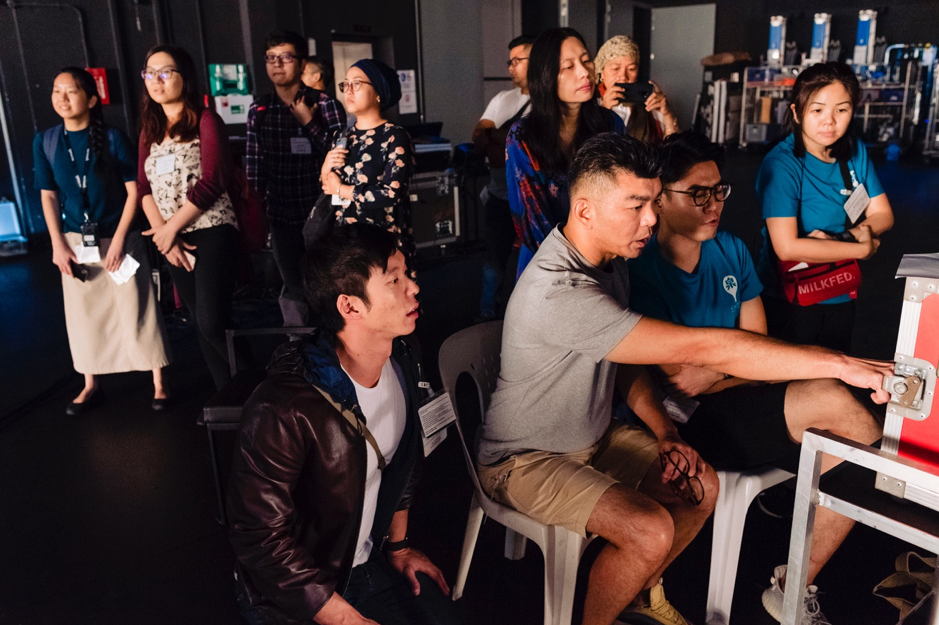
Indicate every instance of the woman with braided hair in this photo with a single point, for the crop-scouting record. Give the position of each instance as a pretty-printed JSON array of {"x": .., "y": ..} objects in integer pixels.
[{"x": 86, "y": 174}]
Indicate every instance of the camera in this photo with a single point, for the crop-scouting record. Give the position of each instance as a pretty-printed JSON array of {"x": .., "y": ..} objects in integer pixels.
[
  {"x": 309, "y": 95},
  {"x": 635, "y": 91}
]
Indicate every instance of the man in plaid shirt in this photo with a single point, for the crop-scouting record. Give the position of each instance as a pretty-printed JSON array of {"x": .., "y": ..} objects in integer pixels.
[{"x": 289, "y": 132}]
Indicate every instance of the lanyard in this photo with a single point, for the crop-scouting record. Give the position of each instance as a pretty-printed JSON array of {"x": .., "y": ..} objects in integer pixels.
[{"x": 80, "y": 179}]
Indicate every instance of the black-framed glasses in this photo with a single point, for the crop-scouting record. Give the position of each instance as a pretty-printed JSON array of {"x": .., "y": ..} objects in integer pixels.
[
  {"x": 286, "y": 57},
  {"x": 354, "y": 85},
  {"x": 701, "y": 195},
  {"x": 515, "y": 60},
  {"x": 163, "y": 74},
  {"x": 685, "y": 486}
]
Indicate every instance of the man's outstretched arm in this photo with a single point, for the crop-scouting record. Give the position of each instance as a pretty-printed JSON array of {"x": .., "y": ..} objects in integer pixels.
[{"x": 745, "y": 355}]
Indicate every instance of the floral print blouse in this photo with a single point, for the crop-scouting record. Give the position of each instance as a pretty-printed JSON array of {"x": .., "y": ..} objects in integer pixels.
[{"x": 379, "y": 167}]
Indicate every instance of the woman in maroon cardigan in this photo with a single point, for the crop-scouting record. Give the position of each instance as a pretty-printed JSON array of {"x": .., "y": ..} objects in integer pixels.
[{"x": 184, "y": 167}]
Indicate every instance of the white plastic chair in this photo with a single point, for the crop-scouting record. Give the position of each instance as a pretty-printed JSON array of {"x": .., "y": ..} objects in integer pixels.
[
  {"x": 737, "y": 493},
  {"x": 476, "y": 351}
]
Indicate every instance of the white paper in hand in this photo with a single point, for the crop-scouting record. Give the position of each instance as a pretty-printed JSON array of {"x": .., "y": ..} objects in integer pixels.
[
  {"x": 85, "y": 255},
  {"x": 126, "y": 271}
]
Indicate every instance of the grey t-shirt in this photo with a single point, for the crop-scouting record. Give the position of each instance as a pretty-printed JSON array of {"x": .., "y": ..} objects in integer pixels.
[{"x": 555, "y": 390}]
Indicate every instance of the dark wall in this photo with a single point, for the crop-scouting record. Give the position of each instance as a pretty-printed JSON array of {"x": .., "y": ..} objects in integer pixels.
[{"x": 212, "y": 31}]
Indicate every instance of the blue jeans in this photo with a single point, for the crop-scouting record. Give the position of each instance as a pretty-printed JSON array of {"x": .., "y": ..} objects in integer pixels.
[
  {"x": 500, "y": 235},
  {"x": 382, "y": 594}
]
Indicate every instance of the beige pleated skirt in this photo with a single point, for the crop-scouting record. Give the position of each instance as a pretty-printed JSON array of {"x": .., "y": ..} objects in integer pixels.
[{"x": 114, "y": 328}]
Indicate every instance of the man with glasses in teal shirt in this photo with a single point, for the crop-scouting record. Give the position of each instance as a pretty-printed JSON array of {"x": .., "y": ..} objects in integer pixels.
[{"x": 693, "y": 275}]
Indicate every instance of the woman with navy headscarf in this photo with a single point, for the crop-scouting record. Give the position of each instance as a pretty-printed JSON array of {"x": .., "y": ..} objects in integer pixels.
[{"x": 369, "y": 178}]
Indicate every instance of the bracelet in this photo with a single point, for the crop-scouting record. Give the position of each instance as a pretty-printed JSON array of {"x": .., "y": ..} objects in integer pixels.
[{"x": 398, "y": 545}]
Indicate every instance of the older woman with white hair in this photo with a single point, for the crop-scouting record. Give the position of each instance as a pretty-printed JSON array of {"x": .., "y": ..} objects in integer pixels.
[{"x": 617, "y": 64}]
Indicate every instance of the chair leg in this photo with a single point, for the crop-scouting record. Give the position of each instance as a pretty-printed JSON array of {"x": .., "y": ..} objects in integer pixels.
[
  {"x": 515, "y": 545},
  {"x": 561, "y": 559},
  {"x": 473, "y": 522},
  {"x": 730, "y": 515},
  {"x": 222, "y": 519}
]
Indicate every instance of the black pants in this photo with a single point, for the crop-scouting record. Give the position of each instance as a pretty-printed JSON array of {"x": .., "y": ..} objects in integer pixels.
[
  {"x": 288, "y": 247},
  {"x": 500, "y": 235},
  {"x": 827, "y": 325},
  {"x": 382, "y": 594},
  {"x": 207, "y": 292}
]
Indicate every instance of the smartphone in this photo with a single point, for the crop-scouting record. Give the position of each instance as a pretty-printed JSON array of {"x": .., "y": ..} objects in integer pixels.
[
  {"x": 635, "y": 91},
  {"x": 80, "y": 272},
  {"x": 309, "y": 95},
  {"x": 342, "y": 142}
]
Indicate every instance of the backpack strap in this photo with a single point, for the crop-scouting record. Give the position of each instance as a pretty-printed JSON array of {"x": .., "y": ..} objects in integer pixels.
[{"x": 50, "y": 142}]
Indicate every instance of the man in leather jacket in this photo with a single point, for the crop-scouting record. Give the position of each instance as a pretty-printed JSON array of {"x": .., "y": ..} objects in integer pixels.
[{"x": 325, "y": 464}]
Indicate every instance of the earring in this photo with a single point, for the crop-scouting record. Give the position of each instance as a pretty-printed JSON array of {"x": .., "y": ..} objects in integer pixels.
[{"x": 379, "y": 99}]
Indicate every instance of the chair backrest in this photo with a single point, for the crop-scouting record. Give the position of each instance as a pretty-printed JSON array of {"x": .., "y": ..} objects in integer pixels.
[
  {"x": 230, "y": 335},
  {"x": 476, "y": 351}
]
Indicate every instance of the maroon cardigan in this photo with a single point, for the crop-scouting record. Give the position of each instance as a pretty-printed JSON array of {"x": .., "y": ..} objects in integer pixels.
[{"x": 216, "y": 163}]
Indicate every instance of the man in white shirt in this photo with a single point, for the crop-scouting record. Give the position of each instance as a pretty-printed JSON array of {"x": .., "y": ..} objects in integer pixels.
[{"x": 489, "y": 137}]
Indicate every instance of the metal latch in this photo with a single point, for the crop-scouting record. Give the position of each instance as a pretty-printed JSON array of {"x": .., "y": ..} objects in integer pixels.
[{"x": 911, "y": 388}]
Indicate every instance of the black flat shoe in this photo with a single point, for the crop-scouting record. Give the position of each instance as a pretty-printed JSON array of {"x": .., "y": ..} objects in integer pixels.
[
  {"x": 76, "y": 409},
  {"x": 159, "y": 405}
]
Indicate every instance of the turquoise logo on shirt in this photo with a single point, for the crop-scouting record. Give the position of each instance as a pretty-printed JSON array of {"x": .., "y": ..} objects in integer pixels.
[{"x": 730, "y": 285}]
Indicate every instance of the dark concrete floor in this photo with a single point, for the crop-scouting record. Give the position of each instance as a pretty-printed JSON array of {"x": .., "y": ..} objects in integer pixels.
[{"x": 109, "y": 518}]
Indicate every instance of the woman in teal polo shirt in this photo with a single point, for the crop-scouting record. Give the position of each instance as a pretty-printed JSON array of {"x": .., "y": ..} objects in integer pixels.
[
  {"x": 806, "y": 203},
  {"x": 86, "y": 173}
]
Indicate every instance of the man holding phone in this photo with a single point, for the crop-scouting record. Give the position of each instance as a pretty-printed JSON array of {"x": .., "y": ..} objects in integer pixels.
[{"x": 289, "y": 132}]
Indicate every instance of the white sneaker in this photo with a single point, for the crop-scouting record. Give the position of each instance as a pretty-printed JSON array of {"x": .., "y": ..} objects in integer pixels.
[{"x": 773, "y": 600}]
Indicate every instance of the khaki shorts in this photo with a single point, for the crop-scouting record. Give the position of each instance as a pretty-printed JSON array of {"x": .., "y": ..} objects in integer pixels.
[{"x": 563, "y": 489}]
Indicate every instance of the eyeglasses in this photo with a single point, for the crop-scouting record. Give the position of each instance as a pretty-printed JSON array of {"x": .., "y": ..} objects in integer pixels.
[
  {"x": 701, "y": 195},
  {"x": 163, "y": 74},
  {"x": 685, "y": 486},
  {"x": 286, "y": 57},
  {"x": 352, "y": 85},
  {"x": 515, "y": 60}
]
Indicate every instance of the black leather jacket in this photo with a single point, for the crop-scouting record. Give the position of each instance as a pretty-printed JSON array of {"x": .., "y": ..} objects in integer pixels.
[{"x": 297, "y": 488}]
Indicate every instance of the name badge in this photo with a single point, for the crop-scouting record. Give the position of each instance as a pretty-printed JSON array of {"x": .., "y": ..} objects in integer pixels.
[
  {"x": 300, "y": 145},
  {"x": 436, "y": 414},
  {"x": 90, "y": 234},
  {"x": 166, "y": 164},
  {"x": 857, "y": 204}
]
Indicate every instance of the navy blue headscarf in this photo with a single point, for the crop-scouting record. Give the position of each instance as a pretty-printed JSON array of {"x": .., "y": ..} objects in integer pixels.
[{"x": 384, "y": 80}]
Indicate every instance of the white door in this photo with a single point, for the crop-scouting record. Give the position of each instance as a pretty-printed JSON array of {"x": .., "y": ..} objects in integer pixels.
[
  {"x": 681, "y": 37},
  {"x": 345, "y": 55}
]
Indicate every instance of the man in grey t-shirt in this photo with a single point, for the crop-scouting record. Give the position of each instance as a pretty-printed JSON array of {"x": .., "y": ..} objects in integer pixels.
[{"x": 548, "y": 446}]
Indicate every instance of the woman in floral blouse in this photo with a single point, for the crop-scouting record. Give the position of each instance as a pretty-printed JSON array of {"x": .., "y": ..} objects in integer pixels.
[{"x": 369, "y": 178}]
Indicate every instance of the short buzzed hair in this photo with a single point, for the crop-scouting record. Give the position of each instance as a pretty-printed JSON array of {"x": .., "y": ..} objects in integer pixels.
[
  {"x": 605, "y": 155},
  {"x": 324, "y": 67}
]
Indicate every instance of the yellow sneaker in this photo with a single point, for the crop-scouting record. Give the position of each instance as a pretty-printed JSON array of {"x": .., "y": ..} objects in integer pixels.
[{"x": 659, "y": 610}]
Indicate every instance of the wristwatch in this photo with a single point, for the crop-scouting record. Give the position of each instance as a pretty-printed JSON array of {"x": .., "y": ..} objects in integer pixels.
[{"x": 398, "y": 545}]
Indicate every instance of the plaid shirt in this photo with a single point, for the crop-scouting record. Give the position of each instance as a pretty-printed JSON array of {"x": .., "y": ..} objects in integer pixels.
[{"x": 288, "y": 182}]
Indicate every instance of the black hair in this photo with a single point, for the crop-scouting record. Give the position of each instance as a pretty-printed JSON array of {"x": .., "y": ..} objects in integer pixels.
[
  {"x": 324, "y": 67},
  {"x": 683, "y": 150},
  {"x": 340, "y": 263},
  {"x": 98, "y": 140},
  {"x": 283, "y": 37},
  {"x": 521, "y": 40},
  {"x": 808, "y": 83},
  {"x": 153, "y": 119},
  {"x": 608, "y": 153},
  {"x": 541, "y": 128}
]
